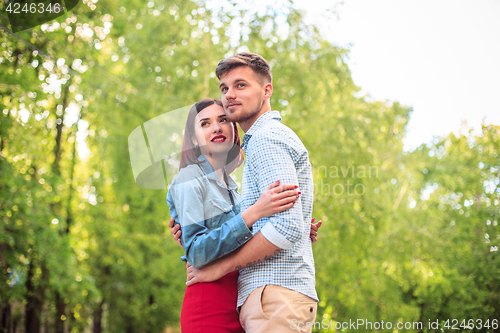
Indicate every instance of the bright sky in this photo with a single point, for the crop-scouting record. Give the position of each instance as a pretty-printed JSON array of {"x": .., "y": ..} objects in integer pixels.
[{"x": 439, "y": 56}]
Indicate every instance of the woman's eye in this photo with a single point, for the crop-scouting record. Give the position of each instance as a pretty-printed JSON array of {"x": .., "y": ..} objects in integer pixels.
[
  {"x": 204, "y": 123},
  {"x": 223, "y": 120},
  {"x": 241, "y": 85}
]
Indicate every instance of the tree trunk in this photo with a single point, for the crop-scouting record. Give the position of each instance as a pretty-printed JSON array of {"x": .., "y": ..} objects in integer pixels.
[
  {"x": 5, "y": 318},
  {"x": 69, "y": 215},
  {"x": 35, "y": 298},
  {"x": 97, "y": 327},
  {"x": 59, "y": 299},
  {"x": 7, "y": 123},
  {"x": 59, "y": 127},
  {"x": 5, "y": 314},
  {"x": 59, "y": 323}
]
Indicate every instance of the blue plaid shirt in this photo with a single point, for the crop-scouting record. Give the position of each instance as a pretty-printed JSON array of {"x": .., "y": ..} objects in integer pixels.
[{"x": 273, "y": 151}]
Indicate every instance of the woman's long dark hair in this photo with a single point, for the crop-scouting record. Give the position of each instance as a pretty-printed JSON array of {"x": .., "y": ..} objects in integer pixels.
[{"x": 190, "y": 153}]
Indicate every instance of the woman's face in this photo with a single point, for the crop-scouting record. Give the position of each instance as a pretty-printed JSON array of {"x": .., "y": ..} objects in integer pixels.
[{"x": 213, "y": 133}]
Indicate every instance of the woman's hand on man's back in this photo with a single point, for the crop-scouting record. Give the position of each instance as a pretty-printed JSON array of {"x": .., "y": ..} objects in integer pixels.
[{"x": 175, "y": 231}]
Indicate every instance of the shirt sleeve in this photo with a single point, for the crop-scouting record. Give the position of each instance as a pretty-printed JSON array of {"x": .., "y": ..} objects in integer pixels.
[
  {"x": 271, "y": 161},
  {"x": 202, "y": 245}
]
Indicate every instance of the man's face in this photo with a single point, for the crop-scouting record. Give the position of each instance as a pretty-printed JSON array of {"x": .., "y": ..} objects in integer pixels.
[{"x": 243, "y": 93}]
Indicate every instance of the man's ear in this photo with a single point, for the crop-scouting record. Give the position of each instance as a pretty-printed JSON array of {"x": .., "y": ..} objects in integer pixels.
[{"x": 268, "y": 90}]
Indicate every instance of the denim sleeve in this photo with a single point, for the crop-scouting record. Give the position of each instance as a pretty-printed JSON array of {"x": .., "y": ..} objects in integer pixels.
[
  {"x": 272, "y": 160},
  {"x": 202, "y": 245}
]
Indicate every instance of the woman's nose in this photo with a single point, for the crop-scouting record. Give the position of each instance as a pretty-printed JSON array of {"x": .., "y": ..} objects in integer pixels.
[{"x": 216, "y": 127}]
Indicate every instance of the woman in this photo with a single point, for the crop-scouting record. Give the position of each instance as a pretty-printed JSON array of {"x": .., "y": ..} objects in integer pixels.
[{"x": 204, "y": 200}]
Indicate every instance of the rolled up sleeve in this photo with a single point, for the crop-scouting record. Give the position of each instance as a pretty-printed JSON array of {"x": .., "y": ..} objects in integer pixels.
[{"x": 271, "y": 161}]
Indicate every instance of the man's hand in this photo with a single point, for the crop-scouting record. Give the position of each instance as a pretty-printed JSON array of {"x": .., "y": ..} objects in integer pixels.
[
  {"x": 314, "y": 230},
  {"x": 176, "y": 231},
  {"x": 208, "y": 273}
]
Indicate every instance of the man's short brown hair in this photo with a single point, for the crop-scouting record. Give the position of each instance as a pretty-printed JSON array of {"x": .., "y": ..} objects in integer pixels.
[{"x": 252, "y": 60}]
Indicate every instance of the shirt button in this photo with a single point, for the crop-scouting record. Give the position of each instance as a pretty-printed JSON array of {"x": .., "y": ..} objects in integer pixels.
[{"x": 246, "y": 237}]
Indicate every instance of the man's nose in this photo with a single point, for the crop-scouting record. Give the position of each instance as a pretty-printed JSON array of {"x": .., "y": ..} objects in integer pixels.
[{"x": 230, "y": 94}]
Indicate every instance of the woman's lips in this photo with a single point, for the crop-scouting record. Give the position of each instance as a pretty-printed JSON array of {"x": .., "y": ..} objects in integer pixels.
[{"x": 219, "y": 139}]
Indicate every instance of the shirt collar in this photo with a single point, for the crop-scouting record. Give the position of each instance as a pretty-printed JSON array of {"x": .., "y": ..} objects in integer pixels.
[
  {"x": 209, "y": 171},
  {"x": 259, "y": 124}
]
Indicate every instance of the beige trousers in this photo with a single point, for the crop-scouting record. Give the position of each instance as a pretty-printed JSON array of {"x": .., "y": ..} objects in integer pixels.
[{"x": 277, "y": 309}]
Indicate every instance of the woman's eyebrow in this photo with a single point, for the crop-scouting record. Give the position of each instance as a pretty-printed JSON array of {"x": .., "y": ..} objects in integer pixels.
[{"x": 202, "y": 119}]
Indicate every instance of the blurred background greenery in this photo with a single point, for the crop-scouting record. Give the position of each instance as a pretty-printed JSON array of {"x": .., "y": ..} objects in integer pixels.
[{"x": 407, "y": 236}]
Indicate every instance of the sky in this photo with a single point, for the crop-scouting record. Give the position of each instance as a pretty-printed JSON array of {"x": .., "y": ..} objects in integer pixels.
[{"x": 441, "y": 57}]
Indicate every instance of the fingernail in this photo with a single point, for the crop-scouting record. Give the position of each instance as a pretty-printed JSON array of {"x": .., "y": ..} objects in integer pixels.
[
  {"x": 293, "y": 203},
  {"x": 300, "y": 192},
  {"x": 296, "y": 186}
]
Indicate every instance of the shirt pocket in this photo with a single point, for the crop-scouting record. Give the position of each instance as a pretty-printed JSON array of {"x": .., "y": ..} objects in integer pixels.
[
  {"x": 221, "y": 206},
  {"x": 218, "y": 212}
]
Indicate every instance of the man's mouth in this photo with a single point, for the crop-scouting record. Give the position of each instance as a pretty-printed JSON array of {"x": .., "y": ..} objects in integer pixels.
[
  {"x": 219, "y": 138},
  {"x": 231, "y": 106}
]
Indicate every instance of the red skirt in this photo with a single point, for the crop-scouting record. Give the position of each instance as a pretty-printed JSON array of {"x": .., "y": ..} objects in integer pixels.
[{"x": 211, "y": 307}]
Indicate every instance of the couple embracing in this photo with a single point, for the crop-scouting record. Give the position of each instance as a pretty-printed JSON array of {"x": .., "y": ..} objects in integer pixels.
[{"x": 250, "y": 266}]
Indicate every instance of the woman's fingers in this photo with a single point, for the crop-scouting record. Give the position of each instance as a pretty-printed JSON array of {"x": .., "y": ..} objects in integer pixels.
[
  {"x": 285, "y": 194},
  {"x": 175, "y": 229},
  {"x": 314, "y": 230},
  {"x": 191, "y": 280},
  {"x": 171, "y": 223},
  {"x": 285, "y": 187},
  {"x": 287, "y": 200},
  {"x": 316, "y": 226},
  {"x": 274, "y": 185},
  {"x": 177, "y": 235},
  {"x": 284, "y": 207}
]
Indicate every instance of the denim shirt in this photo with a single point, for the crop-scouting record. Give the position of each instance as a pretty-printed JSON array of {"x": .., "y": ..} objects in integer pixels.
[{"x": 211, "y": 225}]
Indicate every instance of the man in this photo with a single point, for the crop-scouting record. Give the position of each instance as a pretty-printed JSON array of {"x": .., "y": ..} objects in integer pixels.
[{"x": 276, "y": 285}]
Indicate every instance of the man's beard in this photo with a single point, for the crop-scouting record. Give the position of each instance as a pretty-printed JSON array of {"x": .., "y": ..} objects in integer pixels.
[{"x": 233, "y": 117}]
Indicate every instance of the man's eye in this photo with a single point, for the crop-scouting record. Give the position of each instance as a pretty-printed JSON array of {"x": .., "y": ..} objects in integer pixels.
[
  {"x": 223, "y": 120},
  {"x": 224, "y": 89}
]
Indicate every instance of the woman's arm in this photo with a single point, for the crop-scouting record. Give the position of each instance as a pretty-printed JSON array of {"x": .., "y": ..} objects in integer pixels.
[
  {"x": 202, "y": 245},
  {"x": 275, "y": 199},
  {"x": 176, "y": 232}
]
